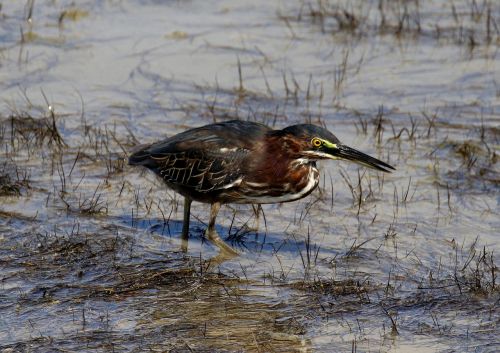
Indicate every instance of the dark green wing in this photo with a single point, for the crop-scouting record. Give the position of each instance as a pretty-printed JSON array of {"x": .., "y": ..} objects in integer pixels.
[{"x": 205, "y": 159}]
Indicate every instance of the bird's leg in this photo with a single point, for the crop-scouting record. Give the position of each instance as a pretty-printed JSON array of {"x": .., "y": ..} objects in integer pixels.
[
  {"x": 185, "y": 224},
  {"x": 212, "y": 235},
  {"x": 256, "y": 211}
]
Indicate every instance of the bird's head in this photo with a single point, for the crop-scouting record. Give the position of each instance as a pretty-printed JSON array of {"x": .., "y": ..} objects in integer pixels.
[{"x": 317, "y": 143}]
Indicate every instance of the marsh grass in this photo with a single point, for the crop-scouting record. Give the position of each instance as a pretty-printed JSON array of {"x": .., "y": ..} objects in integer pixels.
[
  {"x": 27, "y": 132},
  {"x": 335, "y": 288},
  {"x": 476, "y": 165},
  {"x": 468, "y": 23},
  {"x": 13, "y": 180},
  {"x": 107, "y": 270}
]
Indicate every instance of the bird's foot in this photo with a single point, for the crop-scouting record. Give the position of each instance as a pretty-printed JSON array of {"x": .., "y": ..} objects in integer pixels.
[
  {"x": 226, "y": 250},
  {"x": 184, "y": 245}
]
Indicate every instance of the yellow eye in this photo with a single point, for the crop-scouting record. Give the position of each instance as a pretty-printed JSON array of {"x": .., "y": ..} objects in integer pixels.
[{"x": 316, "y": 142}]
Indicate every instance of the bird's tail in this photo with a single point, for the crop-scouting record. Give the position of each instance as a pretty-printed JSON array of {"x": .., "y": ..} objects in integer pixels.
[{"x": 140, "y": 155}]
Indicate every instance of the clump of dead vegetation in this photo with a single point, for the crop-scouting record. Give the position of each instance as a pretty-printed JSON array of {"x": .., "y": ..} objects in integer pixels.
[
  {"x": 23, "y": 131},
  {"x": 475, "y": 164},
  {"x": 105, "y": 260},
  {"x": 13, "y": 180},
  {"x": 462, "y": 22},
  {"x": 475, "y": 270},
  {"x": 335, "y": 287},
  {"x": 75, "y": 272}
]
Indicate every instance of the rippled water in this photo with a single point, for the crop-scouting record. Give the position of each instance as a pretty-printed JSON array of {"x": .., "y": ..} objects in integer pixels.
[{"x": 90, "y": 248}]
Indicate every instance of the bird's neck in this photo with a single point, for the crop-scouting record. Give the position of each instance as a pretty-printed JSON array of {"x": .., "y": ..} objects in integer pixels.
[
  {"x": 280, "y": 161},
  {"x": 301, "y": 161}
]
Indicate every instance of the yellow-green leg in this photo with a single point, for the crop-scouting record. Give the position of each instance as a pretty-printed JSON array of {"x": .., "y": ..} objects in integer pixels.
[
  {"x": 257, "y": 208},
  {"x": 212, "y": 235}
]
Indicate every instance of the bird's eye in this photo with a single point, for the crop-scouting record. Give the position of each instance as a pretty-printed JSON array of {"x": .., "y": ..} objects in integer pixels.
[{"x": 316, "y": 142}]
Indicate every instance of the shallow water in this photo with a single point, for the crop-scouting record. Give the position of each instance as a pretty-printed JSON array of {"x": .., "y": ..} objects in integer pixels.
[{"x": 90, "y": 248}]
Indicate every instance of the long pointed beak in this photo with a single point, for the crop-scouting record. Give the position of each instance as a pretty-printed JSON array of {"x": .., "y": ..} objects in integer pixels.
[{"x": 350, "y": 154}]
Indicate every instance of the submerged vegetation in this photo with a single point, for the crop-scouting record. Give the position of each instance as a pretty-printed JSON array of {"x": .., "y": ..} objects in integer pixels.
[{"x": 91, "y": 255}]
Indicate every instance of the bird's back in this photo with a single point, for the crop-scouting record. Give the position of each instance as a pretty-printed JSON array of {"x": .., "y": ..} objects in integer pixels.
[{"x": 200, "y": 162}]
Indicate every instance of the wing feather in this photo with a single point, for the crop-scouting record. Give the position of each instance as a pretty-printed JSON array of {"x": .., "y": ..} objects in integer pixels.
[
  {"x": 204, "y": 159},
  {"x": 202, "y": 172}
]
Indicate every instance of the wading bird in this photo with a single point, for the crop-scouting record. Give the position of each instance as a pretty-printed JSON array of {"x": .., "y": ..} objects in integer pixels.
[{"x": 244, "y": 162}]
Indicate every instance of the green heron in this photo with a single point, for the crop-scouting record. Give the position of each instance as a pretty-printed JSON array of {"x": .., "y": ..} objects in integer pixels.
[{"x": 244, "y": 162}]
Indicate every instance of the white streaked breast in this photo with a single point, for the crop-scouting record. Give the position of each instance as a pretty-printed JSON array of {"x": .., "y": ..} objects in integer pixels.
[{"x": 312, "y": 182}]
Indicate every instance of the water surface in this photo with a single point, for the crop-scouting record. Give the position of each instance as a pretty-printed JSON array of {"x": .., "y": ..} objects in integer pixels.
[{"x": 90, "y": 248}]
